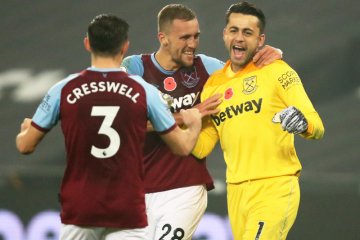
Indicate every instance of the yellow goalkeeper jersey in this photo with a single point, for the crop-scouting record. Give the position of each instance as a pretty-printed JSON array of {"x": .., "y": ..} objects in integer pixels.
[{"x": 254, "y": 147}]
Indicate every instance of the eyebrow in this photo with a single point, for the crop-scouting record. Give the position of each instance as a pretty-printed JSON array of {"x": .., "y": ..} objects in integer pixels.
[
  {"x": 244, "y": 29},
  {"x": 189, "y": 35}
]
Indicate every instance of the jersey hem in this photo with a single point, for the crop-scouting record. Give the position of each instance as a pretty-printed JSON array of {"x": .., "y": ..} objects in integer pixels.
[
  {"x": 38, "y": 127},
  {"x": 209, "y": 187}
]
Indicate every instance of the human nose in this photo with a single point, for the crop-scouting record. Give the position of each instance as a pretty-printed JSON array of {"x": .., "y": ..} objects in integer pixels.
[
  {"x": 192, "y": 42},
  {"x": 239, "y": 36}
]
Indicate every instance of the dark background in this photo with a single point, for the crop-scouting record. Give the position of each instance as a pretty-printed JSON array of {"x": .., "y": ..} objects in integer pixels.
[{"x": 41, "y": 42}]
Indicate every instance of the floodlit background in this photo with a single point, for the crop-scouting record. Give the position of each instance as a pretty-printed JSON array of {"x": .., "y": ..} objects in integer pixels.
[{"x": 41, "y": 42}]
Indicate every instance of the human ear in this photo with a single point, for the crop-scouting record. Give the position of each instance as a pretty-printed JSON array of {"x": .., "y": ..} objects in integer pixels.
[{"x": 87, "y": 44}]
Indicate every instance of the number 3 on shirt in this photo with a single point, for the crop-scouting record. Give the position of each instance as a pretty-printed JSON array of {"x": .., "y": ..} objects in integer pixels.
[{"x": 109, "y": 112}]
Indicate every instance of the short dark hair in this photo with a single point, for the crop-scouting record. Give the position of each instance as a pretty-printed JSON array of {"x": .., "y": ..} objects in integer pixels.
[
  {"x": 107, "y": 33},
  {"x": 174, "y": 11},
  {"x": 247, "y": 9}
]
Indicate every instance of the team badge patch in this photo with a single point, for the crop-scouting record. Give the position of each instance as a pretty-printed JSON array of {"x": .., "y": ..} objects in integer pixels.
[
  {"x": 249, "y": 85},
  {"x": 170, "y": 84},
  {"x": 189, "y": 77}
]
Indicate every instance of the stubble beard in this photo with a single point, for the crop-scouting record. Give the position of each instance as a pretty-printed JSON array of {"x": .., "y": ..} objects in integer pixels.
[
  {"x": 241, "y": 64},
  {"x": 182, "y": 63}
]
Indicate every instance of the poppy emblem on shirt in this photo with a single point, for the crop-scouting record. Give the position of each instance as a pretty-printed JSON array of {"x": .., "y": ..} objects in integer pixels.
[
  {"x": 228, "y": 93},
  {"x": 249, "y": 85},
  {"x": 170, "y": 84}
]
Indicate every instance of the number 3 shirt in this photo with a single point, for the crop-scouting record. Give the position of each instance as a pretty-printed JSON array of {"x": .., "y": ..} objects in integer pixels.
[{"x": 103, "y": 115}]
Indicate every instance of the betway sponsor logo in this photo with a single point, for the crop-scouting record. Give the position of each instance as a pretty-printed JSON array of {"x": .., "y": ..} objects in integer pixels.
[
  {"x": 234, "y": 110},
  {"x": 186, "y": 101}
]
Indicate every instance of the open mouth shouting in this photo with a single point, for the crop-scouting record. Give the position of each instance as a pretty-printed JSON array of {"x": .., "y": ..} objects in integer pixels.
[{"x": 238, "y": 52}]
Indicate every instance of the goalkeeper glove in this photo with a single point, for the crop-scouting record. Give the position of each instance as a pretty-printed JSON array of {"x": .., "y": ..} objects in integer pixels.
[{"x": 292, "y": 120}]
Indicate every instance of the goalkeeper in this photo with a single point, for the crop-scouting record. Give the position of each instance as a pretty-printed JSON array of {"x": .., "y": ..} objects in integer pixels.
[{"x": 261, "y": 111}]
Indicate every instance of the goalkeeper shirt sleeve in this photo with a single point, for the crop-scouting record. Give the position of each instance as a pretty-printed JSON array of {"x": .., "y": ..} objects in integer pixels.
[
  {"x": 315, "y": 126},
  {"x": 207, "y": 140},
  {"x": 292, "y": 92}
]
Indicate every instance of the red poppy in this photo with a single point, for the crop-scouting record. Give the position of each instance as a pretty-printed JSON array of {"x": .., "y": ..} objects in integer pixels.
[
  {"x": 169, "y": 84},
  {"x": 228, "y": 93}
]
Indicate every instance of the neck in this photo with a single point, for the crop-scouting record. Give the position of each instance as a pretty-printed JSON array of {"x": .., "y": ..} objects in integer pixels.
[
  {"x": 165, "y": 61},
  {"x": 248, "y": 67},
  {"x": 235, "y": 68},
  {"x": 106, "y": 62}
]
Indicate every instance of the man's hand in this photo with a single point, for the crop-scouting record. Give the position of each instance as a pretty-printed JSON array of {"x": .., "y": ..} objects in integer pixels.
[
  {"x": 208, "y": 106},
  {"x": 266, "y": 55},
  {"x": 205, "y": 108},
  {"x": 181, "y": 141},
  {"x": 292, "y": 120},
  {"x": 191, "y": 118},
  {"x": 25, "y": 125}
]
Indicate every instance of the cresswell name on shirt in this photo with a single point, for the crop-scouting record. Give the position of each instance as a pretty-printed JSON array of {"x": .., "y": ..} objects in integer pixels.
[
  {"x": 235, "y": 110},
  {"x": 108, "y": 86}
]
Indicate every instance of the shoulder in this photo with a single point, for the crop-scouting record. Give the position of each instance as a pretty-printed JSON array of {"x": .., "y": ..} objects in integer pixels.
[
  {"x": 278, "y": 66},
  {"x": 208, "y": 59},
  {"x": 133, "y": 58},
  {"x": 211, "y": 64},
  {"x": 57, "y": 87},
  {"x": 281, "y": 73},
  {"x": 133, "y": 64},
  {"x": 147, "y": 86}
]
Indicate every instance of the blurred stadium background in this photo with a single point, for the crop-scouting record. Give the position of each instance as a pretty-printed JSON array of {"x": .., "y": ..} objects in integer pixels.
[{"x": 41, "y": 42}]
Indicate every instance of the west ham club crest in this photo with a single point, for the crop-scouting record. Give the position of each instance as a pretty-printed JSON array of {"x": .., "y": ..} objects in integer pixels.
[
  {"x": 189, "y": 77},
  {"x": 249, "y": 85}
]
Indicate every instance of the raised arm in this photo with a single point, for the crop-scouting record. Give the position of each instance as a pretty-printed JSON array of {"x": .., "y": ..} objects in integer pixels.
[
  {"x": 299, "y": 116},
  {"x": 182, "y": 141},
  {"x": 207, "y": 140}
]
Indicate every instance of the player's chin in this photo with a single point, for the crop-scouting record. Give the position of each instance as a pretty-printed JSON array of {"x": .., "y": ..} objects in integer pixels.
[
  {"x": 240, "y": 61},
  {"x": 188, "y": 60}
]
